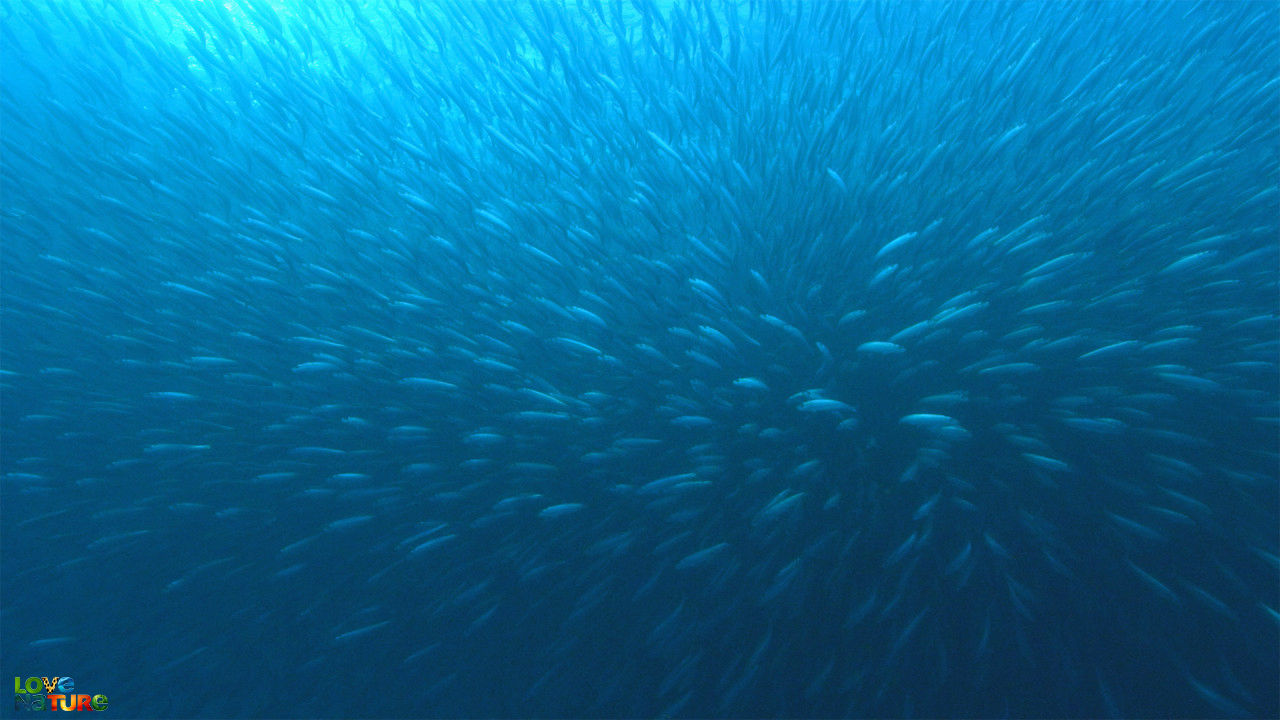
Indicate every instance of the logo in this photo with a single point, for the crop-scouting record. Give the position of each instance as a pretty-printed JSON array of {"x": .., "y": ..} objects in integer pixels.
[{"x": 56, "y": 693}]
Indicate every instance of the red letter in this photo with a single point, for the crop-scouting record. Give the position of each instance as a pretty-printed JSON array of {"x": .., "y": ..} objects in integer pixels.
[{"x": 83, "y": 702}]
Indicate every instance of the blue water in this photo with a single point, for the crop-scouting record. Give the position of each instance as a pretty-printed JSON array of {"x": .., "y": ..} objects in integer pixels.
[{"x": 600, "y": 359}]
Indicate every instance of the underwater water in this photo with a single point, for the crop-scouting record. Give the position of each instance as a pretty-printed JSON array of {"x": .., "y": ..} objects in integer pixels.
[{"x": 632, "y": 359}]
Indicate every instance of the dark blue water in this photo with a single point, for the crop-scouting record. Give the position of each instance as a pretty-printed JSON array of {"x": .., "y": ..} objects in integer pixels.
[{"x": 600, "y": 359}]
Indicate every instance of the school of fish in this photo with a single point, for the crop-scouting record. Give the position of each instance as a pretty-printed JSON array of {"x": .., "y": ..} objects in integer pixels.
[{"x": 626, "y": 358}]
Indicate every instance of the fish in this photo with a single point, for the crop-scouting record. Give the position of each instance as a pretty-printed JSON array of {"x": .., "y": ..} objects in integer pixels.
[{"x": 819, "y": 359}]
